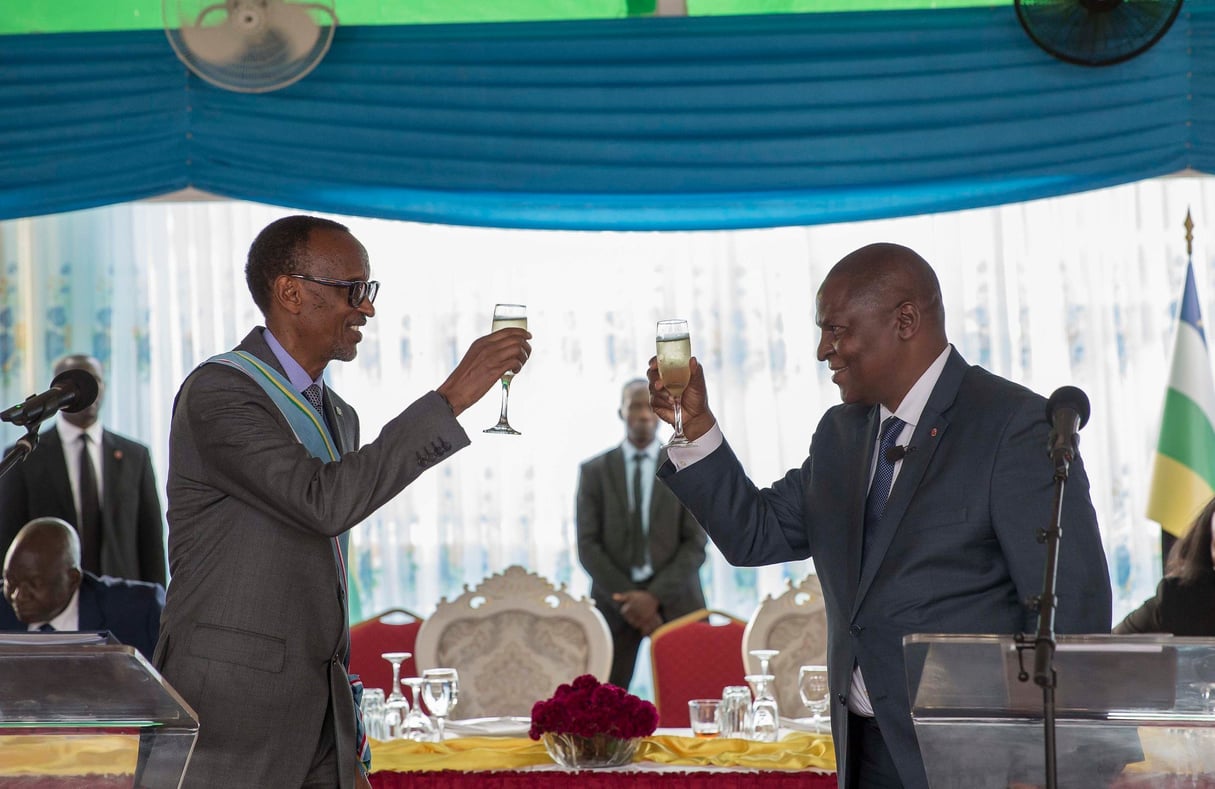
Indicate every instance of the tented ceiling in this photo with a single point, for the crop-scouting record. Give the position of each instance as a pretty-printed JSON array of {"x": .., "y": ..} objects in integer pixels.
[
  {"x": 76, "y": 16},
  {"x": 639, "y": 123}
]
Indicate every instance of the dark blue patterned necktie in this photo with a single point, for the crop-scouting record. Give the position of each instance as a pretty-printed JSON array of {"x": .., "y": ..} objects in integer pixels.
[
  {"x": 313, "y": 394},
  {"x": 883, "y": 476}
]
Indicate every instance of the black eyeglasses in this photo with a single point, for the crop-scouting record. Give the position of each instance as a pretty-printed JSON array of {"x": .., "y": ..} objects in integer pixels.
[{"x": 357, "y": 290}]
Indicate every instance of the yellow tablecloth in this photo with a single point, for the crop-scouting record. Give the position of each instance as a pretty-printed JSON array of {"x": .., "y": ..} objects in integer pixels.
[{"x": 795, "y": 751}]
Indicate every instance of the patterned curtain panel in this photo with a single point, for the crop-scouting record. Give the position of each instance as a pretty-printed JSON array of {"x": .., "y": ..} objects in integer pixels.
[{"x": 1079, "y": 290}]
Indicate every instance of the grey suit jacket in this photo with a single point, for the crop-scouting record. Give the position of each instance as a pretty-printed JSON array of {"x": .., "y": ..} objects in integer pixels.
[
  {"x": 255, "y": 632},
  {"x": 132, "y": 524},
  {"x": 955, "y": 551},
  {"x": 605, "y": 541}
]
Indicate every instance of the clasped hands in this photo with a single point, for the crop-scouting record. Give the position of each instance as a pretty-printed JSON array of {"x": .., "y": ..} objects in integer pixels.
[{"x": 640, "y": 609}]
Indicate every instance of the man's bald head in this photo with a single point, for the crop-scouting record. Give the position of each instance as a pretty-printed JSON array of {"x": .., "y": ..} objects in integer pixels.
[
  {"x": 42, "y": 569},
  {"x": 887, "y": 274}
]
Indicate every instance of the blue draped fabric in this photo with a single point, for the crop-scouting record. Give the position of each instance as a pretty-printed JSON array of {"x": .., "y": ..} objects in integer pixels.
[{"x": 647, "y": 124}]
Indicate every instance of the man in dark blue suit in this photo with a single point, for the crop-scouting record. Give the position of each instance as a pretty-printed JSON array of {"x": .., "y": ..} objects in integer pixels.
[
  {"x": 45, "y": 589},
  {"x": 920, "y": 502}
]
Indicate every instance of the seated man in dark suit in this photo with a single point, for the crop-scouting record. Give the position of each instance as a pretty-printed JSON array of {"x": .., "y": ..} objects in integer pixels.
[{"x": 45, "y": 589}]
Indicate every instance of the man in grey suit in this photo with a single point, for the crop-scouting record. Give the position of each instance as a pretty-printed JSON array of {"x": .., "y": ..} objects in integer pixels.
[
  {"x": 255, "y": 634},
  {"x": 641, "y": 547},
  {"x": 942, "y": 541},
  {"x": 95, "y": 479}
]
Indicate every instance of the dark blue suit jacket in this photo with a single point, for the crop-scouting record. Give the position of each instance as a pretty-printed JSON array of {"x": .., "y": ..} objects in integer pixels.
[
  {"x": 955, "y": 552},
  {"x": 130, "y": 610}
]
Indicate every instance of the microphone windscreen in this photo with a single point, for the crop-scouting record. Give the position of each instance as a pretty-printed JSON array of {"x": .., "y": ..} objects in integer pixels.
[
  {"x": 1068, "y": 397},
  {"x": 80, "y": 385}
]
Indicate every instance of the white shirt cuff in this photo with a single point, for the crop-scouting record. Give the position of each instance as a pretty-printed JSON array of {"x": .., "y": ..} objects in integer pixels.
[{"x": 682, "y": 457}]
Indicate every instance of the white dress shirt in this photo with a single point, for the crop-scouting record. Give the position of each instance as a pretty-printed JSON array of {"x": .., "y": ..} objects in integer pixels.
[
  {"x": 67, "y": 620},
  {"x": 69, "y": 435}
]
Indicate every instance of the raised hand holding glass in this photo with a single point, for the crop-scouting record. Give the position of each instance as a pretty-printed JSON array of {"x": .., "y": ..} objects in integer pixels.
[
  {"x": 674, "y": 365},
  {"x": 507, "y": 316}
]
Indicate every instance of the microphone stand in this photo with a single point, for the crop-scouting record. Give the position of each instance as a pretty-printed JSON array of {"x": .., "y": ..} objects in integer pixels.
[
  {"x": 1044, "y": 641},
  {"x": 23, "y": 447}
]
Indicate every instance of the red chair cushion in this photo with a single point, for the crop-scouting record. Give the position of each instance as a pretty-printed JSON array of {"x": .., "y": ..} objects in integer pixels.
[
  {"x": 370, "y": 639},
  {"x": 694, "y": 660}
]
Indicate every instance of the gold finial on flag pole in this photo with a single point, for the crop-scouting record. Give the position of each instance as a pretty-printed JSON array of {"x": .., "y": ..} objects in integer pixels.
[{"x": 1189, "y": 234}]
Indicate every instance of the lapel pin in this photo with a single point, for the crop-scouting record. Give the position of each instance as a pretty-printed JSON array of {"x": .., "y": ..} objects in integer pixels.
[
  {"x": 118, "y": 454},
  {"x": 933, "y": 432}
]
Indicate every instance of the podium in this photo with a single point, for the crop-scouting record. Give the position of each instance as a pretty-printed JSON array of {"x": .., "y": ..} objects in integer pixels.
[
  {"x": 1131, "y": 711},
  {"x": 82, "y": 710}
]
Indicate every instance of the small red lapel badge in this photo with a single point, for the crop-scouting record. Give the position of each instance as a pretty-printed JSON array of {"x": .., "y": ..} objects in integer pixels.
[
  {"x": 933, "y": 432},
  {"x": 118, "y": 454}
]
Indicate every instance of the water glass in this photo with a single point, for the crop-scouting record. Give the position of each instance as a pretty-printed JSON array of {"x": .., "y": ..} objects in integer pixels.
[
  {"x": 373, "y": 713},
  {"x": 732, "y": 712},
  {"x": 702, "y": 714}
]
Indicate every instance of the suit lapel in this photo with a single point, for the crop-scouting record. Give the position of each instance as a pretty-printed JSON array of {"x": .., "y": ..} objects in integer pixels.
[
  {"x": 924, "y": 442},
  {"x": 111, "y": 480}
]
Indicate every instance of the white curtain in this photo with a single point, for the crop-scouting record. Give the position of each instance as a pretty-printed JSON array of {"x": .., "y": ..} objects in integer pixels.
[{"x": 1079, "y": 290}]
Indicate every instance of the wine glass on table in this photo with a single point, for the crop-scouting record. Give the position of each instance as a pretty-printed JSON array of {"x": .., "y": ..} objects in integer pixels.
[
  {"x": 395, "y": 705},
  {"x": 440, "y": 691},
  {"x": 764, "y": 656},
  {"x": 674, "y": 365},
  {"x": 815, "y": 693},
  {"x": 417, "y": 727},
  {"x": 764, "y": 720},
  {"x": 507, "y": 316}
]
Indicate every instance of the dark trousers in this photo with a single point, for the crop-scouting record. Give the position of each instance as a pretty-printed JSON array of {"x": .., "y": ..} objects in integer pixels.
[{"x": 870, "y": 765}]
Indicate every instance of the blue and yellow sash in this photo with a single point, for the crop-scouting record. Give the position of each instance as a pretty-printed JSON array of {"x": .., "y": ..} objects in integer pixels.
[{"x": 306, "y": 424}]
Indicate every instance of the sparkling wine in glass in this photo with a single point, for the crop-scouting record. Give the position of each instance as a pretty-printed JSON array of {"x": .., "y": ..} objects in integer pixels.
[
  {"x": 507, "y": 316},
  {"x": 674, "y": 365},
  {"x": 440, "y": 691},
  {"x": 815, "y": 693}
]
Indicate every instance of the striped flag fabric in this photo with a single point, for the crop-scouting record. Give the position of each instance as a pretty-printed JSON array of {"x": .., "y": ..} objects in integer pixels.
[{"x": 1183, "y": 475}]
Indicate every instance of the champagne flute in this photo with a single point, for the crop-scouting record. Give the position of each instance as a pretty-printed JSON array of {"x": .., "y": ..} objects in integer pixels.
[
  {"x": 815, "y": 693},
  {"x": 674, "y": 355},
  {"x": 395, "y": 705},
  {"x": 507, "y": 316}
]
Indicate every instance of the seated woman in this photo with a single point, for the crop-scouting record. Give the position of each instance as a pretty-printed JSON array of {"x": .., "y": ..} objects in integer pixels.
[{"x": 1184, "y": 604}]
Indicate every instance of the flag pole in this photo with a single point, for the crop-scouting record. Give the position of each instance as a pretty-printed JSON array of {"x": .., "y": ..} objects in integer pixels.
[{"x": 1183, "y": 473}]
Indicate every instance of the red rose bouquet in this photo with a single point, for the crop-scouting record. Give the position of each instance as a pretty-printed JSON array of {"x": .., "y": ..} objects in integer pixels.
[{"x": 588, "y": 708}]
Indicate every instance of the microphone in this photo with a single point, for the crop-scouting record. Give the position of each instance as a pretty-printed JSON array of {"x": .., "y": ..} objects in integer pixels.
[
  {"x": 71, "y": 391},
  {"x": 1067, "y": 410},
  {"x": 898, "y": 452}
]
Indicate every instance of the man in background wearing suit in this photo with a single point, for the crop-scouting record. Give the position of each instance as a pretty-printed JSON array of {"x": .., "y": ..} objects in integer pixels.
[
  {"x": 266, "y": 473},
  {"x": 45, "y": 589},
  {"x": 99, "y": 482},
  {"x": 942, "y": 541},
  {"x": 642, "y": 549}
]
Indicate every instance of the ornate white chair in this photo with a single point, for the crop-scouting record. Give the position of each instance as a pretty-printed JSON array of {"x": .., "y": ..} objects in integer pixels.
[
  {"x": 514, "y": 638},
  {"x": 795, "y": 622}
]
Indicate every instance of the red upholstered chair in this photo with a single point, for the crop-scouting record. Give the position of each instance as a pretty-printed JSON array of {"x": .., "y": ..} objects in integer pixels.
[
  {"x": 694, "y": 657},
  {"x": 395, "y": 630}
]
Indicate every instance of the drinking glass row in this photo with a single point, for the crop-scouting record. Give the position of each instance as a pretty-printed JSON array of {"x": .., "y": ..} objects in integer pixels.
[
  {"x": 674, "y": 351},
  {"x": 395, "y": 717}
]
